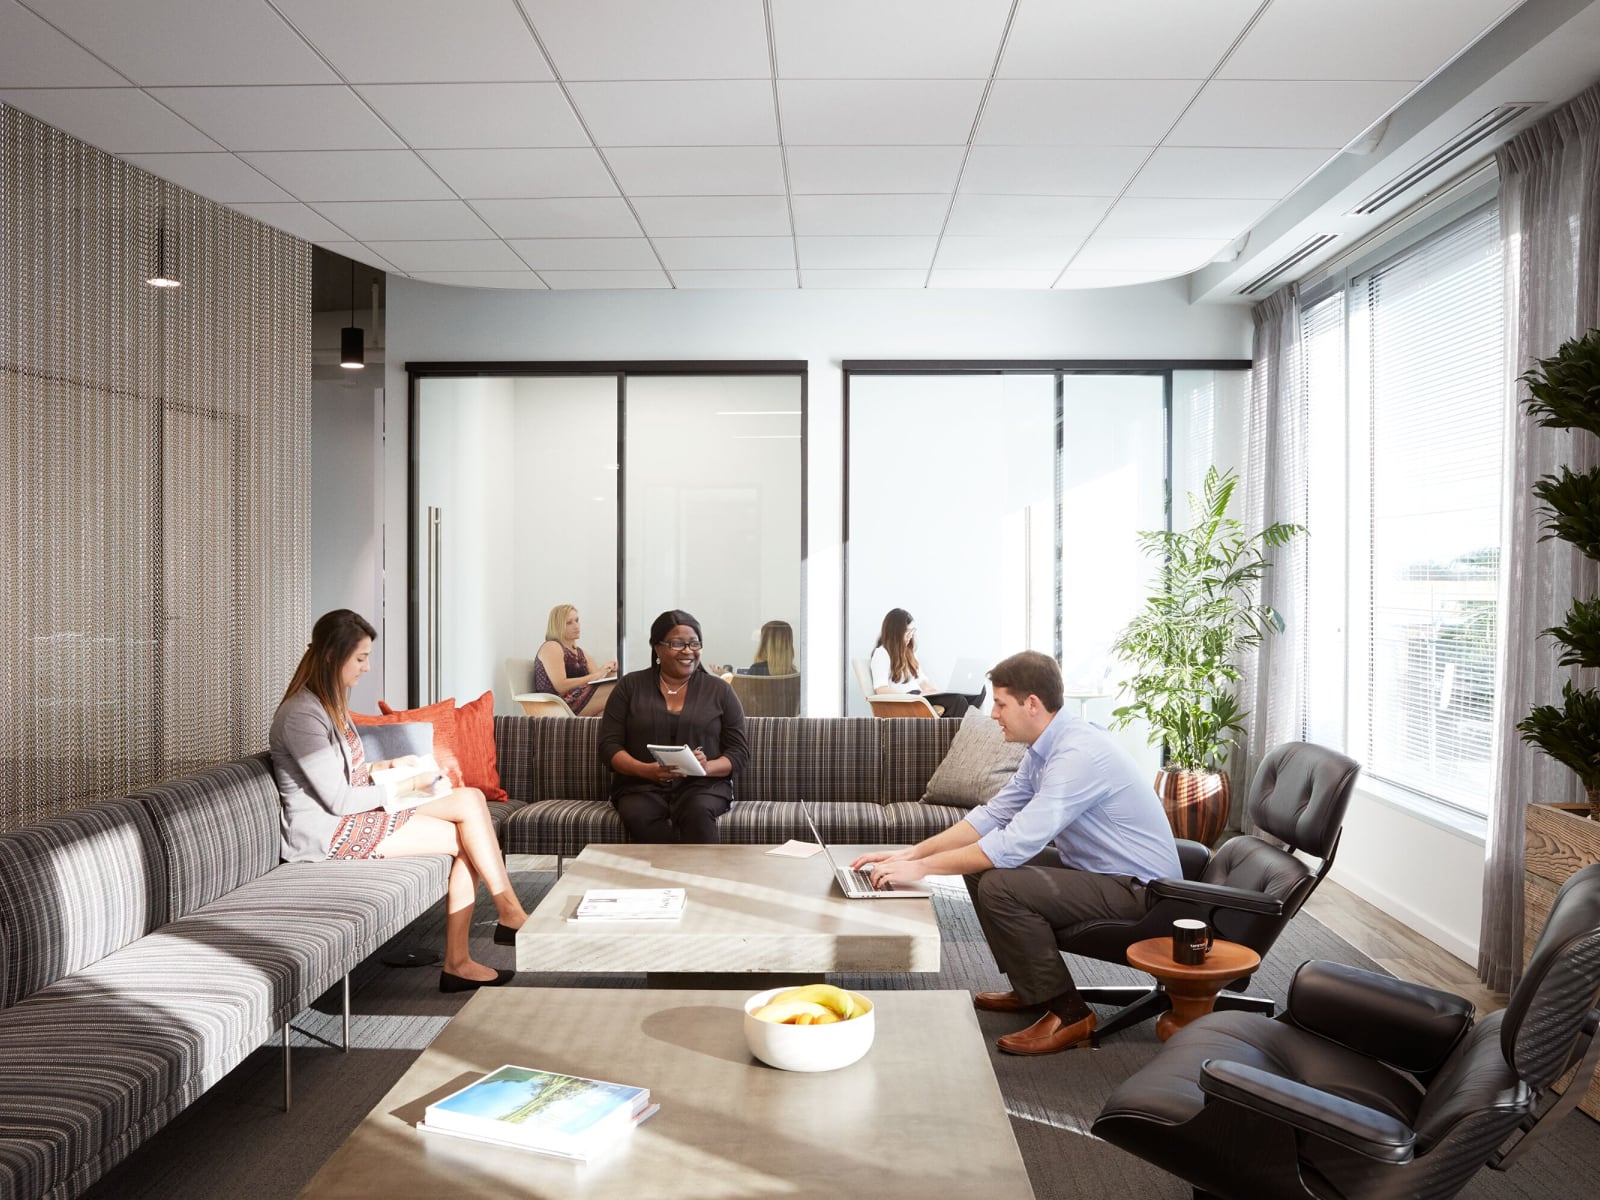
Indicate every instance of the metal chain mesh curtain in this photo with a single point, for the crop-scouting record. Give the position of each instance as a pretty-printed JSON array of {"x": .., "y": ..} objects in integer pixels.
[{"x": 155, "y": 447}]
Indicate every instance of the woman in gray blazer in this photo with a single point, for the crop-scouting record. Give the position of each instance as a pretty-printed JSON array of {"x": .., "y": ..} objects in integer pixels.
[{"x": 331, "y": 809}]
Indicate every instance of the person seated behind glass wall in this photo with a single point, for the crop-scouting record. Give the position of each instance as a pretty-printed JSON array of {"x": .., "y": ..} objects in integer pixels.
[
  {"x": 563, "y": 669},
  {"x": 895, "y": 670},
  {"x": 774, "y": 651},
  {"x": 673, "y": 702}
]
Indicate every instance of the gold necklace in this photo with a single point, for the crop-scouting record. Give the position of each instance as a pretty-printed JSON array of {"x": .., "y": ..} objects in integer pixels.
[{"x": 672, "y": 691}]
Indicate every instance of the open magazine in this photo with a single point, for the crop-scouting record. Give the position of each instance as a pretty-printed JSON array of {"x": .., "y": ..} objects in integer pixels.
[{"x": 409, "y": 786}]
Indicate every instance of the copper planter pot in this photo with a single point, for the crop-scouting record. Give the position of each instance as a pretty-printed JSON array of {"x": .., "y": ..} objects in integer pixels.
[{"x": 1196, "y": 802}]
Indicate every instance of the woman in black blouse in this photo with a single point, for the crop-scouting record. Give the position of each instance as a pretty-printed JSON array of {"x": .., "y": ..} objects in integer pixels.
[{"x": 674, "y": 702}]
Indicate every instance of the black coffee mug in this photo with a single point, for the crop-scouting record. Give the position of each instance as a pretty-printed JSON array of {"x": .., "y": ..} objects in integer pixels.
[{"x": 1191, "y": 940}]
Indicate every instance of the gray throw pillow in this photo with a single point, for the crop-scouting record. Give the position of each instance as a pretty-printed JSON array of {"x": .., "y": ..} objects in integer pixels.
[
  {"x": 380, "y": 742},
  {"x": 978, "y": 764}
]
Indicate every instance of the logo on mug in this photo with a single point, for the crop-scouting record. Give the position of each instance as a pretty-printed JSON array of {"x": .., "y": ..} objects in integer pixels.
[{"x": 1190, "y": 941}]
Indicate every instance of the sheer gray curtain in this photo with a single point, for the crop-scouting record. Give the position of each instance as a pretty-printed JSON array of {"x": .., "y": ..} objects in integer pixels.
[
  {"x": 1273, "y": 485},
  {"x": 1550, "y": 225}
]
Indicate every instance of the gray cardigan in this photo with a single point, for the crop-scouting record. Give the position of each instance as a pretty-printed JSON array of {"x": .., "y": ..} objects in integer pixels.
[{"x": 312, "y": 765}]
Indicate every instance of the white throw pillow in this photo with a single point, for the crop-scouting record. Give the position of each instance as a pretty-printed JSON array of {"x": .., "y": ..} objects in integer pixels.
[{"x": 978, "y": 764}]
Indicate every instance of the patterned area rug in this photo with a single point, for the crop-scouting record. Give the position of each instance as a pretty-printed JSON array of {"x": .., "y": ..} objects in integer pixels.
[{"x": 237, "y": 1142}]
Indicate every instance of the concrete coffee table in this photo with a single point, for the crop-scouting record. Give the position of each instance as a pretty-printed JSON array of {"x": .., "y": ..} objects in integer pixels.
[
  {"x": 920, "y": 1116},
  {"x": 1193, "y": 989},
  {"x": 748, "y": 913}
]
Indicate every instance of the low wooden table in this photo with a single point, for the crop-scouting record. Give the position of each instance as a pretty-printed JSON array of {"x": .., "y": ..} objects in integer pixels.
[
  {"x": 1193, "y": 989},
  {"x": 748, "y": 913},
  {"x": 921, "y": 1115}
]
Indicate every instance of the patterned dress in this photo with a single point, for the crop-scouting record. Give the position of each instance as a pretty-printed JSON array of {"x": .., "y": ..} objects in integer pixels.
[
  {"x": 573, "y": 663},
  {"x": 359, "y": 833}
]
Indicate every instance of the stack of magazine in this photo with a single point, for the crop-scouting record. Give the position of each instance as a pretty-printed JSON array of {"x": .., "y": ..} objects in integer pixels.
[
  {"x": 565, "y": 1116},
  {"x": 630, "y": 904}
]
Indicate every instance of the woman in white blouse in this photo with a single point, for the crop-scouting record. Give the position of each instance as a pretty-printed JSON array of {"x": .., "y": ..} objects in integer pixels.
[{"x": 895, "y": 668}]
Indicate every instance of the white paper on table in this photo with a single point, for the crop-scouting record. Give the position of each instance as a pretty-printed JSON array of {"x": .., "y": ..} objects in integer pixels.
[{"x": 794, "y": 849}]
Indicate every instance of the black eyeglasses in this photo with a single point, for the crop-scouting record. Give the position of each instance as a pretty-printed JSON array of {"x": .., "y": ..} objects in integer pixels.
[{"x": 680, "y": 644}]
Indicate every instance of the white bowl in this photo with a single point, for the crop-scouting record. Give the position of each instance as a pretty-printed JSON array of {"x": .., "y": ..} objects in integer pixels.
[{"x": 807, "y": 1047}]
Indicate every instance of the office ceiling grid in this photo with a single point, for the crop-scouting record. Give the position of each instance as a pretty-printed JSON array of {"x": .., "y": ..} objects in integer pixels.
[{"x": 738, "y": 143}]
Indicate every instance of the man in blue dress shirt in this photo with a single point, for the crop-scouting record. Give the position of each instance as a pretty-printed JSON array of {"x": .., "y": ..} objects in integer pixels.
[{"x": 1074, "y": 836}]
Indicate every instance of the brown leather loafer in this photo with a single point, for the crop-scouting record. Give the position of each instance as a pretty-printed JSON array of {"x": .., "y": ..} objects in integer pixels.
[
  {"x": 1048, "y": 1035},
  {"x": 1000, "y": 1002}
]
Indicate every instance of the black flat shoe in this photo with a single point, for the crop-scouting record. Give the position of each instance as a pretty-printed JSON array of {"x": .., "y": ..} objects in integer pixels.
[
  {"x": 456, "y": 983},
  {"x": 504, "y": 935}
]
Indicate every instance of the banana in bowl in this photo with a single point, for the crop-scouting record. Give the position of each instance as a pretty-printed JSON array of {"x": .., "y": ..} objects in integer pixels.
[{"x": 816, "y": 1027}]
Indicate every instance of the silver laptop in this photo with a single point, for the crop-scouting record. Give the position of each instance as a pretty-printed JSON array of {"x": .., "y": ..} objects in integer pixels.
[{"x": 857, "y": 885}]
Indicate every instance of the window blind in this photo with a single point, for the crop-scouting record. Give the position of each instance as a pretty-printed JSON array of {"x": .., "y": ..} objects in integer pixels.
[{"x": 1427, "y": 395}]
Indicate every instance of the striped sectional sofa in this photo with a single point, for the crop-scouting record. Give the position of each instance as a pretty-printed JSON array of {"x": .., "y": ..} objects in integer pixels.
[
  {"x": 147, "y": 945},
  {"x": 863, "y": 777}
]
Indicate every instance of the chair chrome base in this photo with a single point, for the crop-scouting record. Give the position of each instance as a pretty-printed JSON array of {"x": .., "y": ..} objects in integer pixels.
[{"x": 1140, "y": 1002}]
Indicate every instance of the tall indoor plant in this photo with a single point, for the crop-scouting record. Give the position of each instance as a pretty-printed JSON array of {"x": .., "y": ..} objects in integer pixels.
[
  {"x": 1184, "y": 645},
  {"x": 1564, "y": 393}
]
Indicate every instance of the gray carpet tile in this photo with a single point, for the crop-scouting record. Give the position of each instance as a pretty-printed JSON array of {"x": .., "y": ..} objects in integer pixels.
[{"x": 236, "y": 1142}]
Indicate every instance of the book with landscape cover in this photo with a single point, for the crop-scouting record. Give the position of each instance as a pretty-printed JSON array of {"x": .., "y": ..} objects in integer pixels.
[
  {"x": 545, "y": 1111},
  {"x": 631, "y": 904}
]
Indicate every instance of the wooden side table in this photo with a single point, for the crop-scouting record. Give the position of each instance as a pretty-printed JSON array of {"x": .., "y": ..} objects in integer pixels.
[{"x": 1193, "y": 989}]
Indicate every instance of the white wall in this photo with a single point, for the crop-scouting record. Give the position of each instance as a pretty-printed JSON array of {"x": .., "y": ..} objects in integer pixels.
[{"x": 436, "y": 323}]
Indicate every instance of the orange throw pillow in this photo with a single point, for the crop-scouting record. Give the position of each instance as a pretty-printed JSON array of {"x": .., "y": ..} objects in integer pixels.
[
  {"x": 468, "y": 739},
  {"x": 475, "y": 747},
  {"x": 443, "y": 718}
]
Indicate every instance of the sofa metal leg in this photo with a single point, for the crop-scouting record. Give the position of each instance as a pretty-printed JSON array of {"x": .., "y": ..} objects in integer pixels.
[
  {"x": 286, "y": 1066},
  {"x": 561, "y": 865},
  {"x": 347, "y": 1012}
]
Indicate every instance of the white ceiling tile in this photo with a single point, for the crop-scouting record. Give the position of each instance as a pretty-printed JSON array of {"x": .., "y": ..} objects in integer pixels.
[
  {"x": 1360, "y": 39},
  {"x": 470, "y": 115},
  {"x": 1143, "y": 216},
  {"x": 486, "y": 174},
  {"x": 1073, "y": 278},
  {"x": 420, "y": 41},
  {"x": 841, "y": 170},
  {"x": 219, "y": 177},
  {"x": 818, "y": 279},
  {"x": 293, "y": 218},
  {"x": 605, "y": 280},
  {"x": 1131, "y": 39},
  {"x": 888, "y": 39},
  {"x": 1006, "y": 253},
  {"x": 1147, "y": 254},
  {"x": 703, "y": 112},
  {"x": 698, "y": 170},
  {"x": 1082, "y": 112},
  {"x": 405, "y": 220},
  {"x": 878, "y": 112},
  {"x": 725, "y": 253},
  {"x": 280, "y": 118},
  {"x": 1060, "y": 216},
  {"x": 1006, "y": 279},
  {"x": 858, "y": 215},
  {"x": 753, "y": 280},
  {"x": 713, "y": 216},
  {"x": 585, "y": 216},
  {"x": 117, "y": 120},
  {"x": 520, "y": 280},
  {"x": 359, "y": 253},
  {"x": 586, "y": 254},
  {"x": 175, "y": 42},
  {"x": 449, "y": 256},
  {"x": 350, "y": 174},
  {"x": 1051, "y": 170},
  {"x": 1217, "y": 171},
  {"x": 653, "y": 39},
  {"x": 872, "y": 253},
  {"x": 1274, "y": 113},
  {"x": 34, "y": 55}
]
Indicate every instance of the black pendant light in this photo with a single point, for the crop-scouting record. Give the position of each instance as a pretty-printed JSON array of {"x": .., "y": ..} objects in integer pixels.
[
  {"x": 161, "y": 274},
  {"x": 352, "y": 351}
]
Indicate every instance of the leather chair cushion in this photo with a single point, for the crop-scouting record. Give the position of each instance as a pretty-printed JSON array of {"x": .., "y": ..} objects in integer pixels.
[
  {"x": 1300, "y": 793},
  {"x": 1256, "y": 866}
]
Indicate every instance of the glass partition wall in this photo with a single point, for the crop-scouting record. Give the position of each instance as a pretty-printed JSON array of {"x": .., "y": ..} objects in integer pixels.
[
  {"x": 621, "y": 489},
  {"x": 1000, "y": 505}
]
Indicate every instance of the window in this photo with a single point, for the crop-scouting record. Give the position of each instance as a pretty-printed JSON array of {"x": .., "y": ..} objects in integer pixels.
[{"x": 1425, "y": 367}]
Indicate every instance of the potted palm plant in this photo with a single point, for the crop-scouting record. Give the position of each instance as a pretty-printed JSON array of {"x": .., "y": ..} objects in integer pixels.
[
  {"x": 1183, "y": 649},
  {"x": 1564, "y": 393}
]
